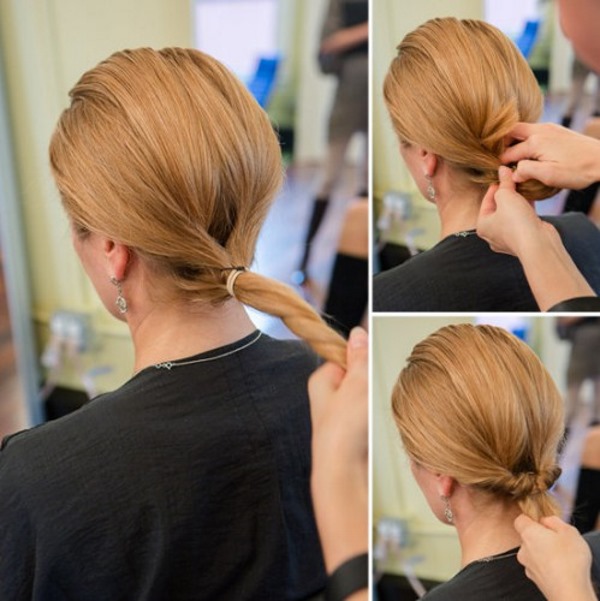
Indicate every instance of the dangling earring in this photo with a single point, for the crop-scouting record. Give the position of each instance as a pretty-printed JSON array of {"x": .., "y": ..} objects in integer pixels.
[
  {"x": 447, "y": 509},
  {"x": 120, "y": 302},
  {"x": 430, "y": 188}
]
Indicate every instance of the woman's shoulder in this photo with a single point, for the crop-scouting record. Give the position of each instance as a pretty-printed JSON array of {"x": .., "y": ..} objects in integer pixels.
[
  {"x": 500, "y": 577},
  {"x": 286, "y": 350},
  {"x": 46, "y": 439},
  {"x": 571, "y": 223}
]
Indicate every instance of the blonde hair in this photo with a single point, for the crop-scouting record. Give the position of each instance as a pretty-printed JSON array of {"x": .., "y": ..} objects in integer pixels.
[
  {"x": 457, "y": 88},
  {"x": 475, "y": 403},
  {"x": 168, "y": 153}
]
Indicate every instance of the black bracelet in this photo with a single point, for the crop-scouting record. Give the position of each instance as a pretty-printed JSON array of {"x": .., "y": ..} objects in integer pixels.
[
  {"x": 579, "y": 304},
  {"x": 348, "y": 578}
]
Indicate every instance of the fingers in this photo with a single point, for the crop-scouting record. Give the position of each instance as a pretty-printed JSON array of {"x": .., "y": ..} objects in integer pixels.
[
  {"x": 522, "y": 523},
  {"x": 540, "y": 170},
  {"x": 522, "y": 131},
  {"x": 506, "y": 180},
  {"x": 522, "y": 150}
]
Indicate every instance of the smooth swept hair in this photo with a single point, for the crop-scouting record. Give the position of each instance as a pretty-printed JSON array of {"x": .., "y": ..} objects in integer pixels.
[
  {"x": 475, "y": 403},
  {"x": 457, "y": 88},
  {"x": 168, "y": 153}
]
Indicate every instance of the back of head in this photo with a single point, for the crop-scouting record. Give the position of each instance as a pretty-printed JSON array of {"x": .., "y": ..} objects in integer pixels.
[
  {"x": 168, "y": 153},
  {"x": 475, "y": 403},
  {"x": 456, "y": 88}
]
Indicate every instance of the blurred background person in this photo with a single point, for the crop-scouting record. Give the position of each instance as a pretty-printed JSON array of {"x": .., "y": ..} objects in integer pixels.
[{"x": 344, "y": 53}]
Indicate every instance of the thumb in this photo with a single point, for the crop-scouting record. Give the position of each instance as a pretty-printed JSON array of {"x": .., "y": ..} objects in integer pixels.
[
  {"x": 522, "y": 522},
  {"x": 324, "y": 382},
  {"x": 506, "y": 180},
  {"x": 358, "y": 349}
]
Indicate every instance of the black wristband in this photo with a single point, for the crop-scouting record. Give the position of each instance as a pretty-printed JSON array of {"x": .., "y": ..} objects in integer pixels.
[
  {"x": 348, "y": 578},
  {"x": 579, "y": 304}
]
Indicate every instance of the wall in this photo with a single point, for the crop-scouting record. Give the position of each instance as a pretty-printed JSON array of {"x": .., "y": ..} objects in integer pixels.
[
  {"x": 47, "y": 46},
  {"x": 395, "y": 493}
]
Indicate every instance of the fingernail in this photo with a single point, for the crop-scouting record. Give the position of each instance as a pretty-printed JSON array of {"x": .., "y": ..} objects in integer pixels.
[
  {"x": 503, "y": 171},
  {"x": 358, "y": 338}
]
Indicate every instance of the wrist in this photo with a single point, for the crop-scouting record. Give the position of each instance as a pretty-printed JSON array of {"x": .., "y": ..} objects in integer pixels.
[
  {"x": 341, "y": 509},
  {"x": 540, "y": 237}
]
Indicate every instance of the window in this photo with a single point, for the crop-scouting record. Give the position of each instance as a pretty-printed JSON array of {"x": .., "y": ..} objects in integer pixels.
[{"x": 237, "y": 32}]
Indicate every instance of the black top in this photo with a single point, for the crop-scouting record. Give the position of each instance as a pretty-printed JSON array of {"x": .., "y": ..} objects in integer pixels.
[
  {"x": 464, "y": 274},
  {"x": 501, "y": 578},
  {"x": 593, "y": 540},
  {"x": 185, "y": 483}
]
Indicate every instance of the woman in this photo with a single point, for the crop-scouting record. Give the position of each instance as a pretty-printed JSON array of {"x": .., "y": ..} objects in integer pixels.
[
  {"x": 481, "y": 419},
  {"x": 454, "y": 92},
  {"x": 191, "y": 481}
]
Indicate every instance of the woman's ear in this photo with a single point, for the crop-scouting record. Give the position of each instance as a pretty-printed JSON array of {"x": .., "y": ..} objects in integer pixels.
[
  {"x": 445, "y": 485},
  {"x": 430, "y": 162},
  {"x": 118, "y": 257}
]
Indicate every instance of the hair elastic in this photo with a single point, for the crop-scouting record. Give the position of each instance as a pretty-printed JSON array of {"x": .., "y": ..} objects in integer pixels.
[{"x": 234, "y": 273}]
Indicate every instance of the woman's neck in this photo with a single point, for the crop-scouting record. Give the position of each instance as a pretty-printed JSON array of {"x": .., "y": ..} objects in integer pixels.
[
  {"x": 458, "y": 213},
  {"x": 169, "y": 332},
  {"x": 487, "y": 531}
]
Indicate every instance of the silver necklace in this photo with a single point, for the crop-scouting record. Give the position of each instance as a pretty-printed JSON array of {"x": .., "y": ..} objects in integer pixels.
[
  {"x": 512, "y": 553},
  {"x": 464, "y": 233},
  {"x": 170, "y": 364}
]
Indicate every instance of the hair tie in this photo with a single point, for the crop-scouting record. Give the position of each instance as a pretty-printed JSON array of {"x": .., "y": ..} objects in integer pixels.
[{"x": 234, "y": 273}]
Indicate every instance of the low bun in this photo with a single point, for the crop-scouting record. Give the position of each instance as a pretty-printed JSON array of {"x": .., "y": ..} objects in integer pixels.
[
  {"x": 520, "y": 486},
  {"x": 475, "y": 403}
]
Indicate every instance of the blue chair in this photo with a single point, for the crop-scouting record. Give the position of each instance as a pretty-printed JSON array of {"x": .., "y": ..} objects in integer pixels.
[
  {"x": 526, "y": 41},
  {"x": 262, "y": 82}
]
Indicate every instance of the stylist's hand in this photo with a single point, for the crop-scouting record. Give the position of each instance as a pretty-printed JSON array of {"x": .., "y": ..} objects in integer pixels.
[
  {"x": 556, "y": 558},
  {"x": 507, "y": 221},
  {"x": 554, "y": 155},
  {"x": 339, "y": 410}
]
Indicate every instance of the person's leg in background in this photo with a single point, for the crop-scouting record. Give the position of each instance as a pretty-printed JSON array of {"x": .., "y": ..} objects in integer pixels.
[
  {"x": 334, "y": 164},
  {"x": 349, "y": 115},
  {"x": 347, "y": 298}
]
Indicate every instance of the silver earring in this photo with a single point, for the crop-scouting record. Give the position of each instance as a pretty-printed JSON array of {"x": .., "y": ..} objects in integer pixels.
[
  {"x": 447, "y": 510},
  {"x": 120, "y": 302},
  {"x": 430, "y": 189}
]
